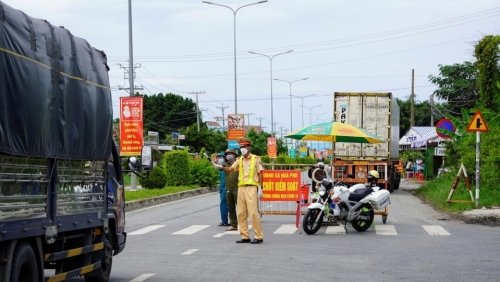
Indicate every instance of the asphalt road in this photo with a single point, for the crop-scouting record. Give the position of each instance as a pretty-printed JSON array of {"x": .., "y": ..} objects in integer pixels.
[{"x": 180, "y": 241}]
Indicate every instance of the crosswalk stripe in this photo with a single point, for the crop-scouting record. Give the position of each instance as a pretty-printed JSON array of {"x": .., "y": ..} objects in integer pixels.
[
  {"x": 146, "y": 229},
  {"x": 189, "y": 252},
  {"x": 385, "y": 230},
  {"x": 234, "y": 232},
  {"x": 141, "y": 278},
  {"x": 435, "y": 230},
  {"x": 335, "y": 230},
  {"x": 191, "y": 230},
  {"x": 286, "y": 229}
]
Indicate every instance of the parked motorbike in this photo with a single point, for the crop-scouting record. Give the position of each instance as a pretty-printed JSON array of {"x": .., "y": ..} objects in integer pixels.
[{"x": 355, "y": 204}]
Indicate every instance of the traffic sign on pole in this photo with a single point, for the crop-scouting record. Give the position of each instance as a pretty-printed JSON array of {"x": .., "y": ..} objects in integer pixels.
[{"x": 477, "y": 123}]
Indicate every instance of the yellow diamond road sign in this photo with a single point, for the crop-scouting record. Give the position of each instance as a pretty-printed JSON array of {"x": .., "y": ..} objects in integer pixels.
[{"x": 477, "y": 123}]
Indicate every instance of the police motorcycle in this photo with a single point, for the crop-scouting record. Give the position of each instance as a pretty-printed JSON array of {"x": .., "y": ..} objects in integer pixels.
[
  {"x": 321, "y": 209},
  {"x": 355, "y": 204}
]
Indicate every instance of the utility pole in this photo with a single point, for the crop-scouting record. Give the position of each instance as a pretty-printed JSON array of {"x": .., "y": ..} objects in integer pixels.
[
  {"x": 133, "y": 176},
  {"x": 197, "y": 110},
  {"x": 431, "y": 102},
  {"x": 281, "y": 130},
  {"x": 130, "y": 77},
  {"x": 412, "y": 99},
  {"x": 248, "y": 119},
  {"x": 222, "y": 108},
  {"x": 260, "y": 121},
  {"x": 274, "y": 128}
]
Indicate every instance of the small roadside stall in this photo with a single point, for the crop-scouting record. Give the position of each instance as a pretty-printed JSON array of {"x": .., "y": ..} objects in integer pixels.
[{"x": 434, "y": 153}]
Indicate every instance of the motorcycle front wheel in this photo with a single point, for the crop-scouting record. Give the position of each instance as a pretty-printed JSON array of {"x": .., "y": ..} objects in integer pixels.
[
  {"x": 361, "y": 225},
  {"x": 308, "y": 223}
]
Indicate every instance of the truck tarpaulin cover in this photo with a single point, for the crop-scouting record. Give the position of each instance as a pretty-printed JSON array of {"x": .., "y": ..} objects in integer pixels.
[{"x": 54, "y": 91}]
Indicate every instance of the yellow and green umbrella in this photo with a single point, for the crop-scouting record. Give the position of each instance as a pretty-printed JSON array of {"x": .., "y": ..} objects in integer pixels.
[{"x": 333, "y": 131}]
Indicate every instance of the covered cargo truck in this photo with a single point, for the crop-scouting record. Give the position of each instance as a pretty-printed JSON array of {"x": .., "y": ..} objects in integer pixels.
[
  {"x": 377, "y": 113},
  {"x": 61, "y": 187}
]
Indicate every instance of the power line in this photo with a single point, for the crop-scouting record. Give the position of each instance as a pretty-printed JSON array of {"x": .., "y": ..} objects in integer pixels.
[{"x": 342, "y": 40}]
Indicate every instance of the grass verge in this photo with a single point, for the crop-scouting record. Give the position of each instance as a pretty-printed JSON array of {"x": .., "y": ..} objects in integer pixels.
[
  {"x": 150, "y": 193},
  {"x": 436, "y": 192}
]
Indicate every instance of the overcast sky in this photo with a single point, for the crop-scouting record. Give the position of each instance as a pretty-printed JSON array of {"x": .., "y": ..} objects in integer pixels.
[{"x": 186, "y": 45}]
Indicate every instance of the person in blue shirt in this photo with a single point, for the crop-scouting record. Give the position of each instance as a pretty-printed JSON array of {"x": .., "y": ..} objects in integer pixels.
[{"x": 224, "y": 208}]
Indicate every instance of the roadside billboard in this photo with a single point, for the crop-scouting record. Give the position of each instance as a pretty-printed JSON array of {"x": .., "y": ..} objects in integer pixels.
[
  {"x": 131, "y": 126},
  {"x": 235, "y": 126}
]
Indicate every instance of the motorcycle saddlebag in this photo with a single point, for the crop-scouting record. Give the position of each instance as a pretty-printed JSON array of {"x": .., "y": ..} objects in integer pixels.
[{"x": 380, "y": 199}]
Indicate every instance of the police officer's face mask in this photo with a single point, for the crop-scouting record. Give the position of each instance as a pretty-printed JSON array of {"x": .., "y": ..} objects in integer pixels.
[{"x": 243, "y": 151}]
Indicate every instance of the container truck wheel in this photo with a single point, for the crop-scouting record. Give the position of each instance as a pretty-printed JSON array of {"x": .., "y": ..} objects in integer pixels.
[
  {"x": 392, "y": 180},
  {"x": 24, "y": 266},
  {"x": 103, "y": 273}
]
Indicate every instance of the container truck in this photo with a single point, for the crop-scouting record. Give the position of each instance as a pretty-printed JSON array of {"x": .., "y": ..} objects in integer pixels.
[
  {"x": 61, "y": 186},
  {"x": 377, "y": 113}
]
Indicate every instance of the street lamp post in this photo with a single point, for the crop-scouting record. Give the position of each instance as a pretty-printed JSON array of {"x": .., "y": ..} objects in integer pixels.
[
  {"x": 310, "y": 112},
  {"x": 234, "y": 14},
  {"x": 291, "y": 116},
  {"x": 302, "y": 104},
  {"x": 317, "y": 116},
  {"x": 271, "y": 64}
]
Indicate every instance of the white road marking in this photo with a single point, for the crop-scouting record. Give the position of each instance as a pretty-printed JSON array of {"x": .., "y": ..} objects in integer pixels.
[
  {"x": 435, "y": 230},
  {"x": 286, "y": 229},
  {"x": 189, "y": 252},
  {"x": 335, "y": 230},
  {"x": 234, "y": 232},
  {"x": 386, "y": 230},
  {"x": 141, "y": 278},
  {"x": 146, "y": 230},
  {"x": 169, "y": 203},
  {"x": 190, "y": 230}
]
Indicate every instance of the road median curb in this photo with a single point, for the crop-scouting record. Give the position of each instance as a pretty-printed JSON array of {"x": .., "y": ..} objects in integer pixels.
[{"x": 139, "y": 204}]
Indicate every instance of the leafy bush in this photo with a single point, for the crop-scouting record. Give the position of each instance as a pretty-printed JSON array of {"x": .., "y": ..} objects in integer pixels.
[
  {"x": 155, "y": 179},
  {"x": 265, "y": 159},
  {"x": 203, "y": 173},
  {"x": 281, "y": 159},
  {"x": 177, "y": 168}
]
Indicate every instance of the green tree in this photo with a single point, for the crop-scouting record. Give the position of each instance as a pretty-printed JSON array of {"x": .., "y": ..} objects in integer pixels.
[
  {"x": 457, "y": 85},
  {"x": 487, "y": 54},
  {"x": 167, "y": 113},
  {"x": 259, "y": 142},
  {"x": 422, "y": 117},
  {"x": 210, "y": 139}
]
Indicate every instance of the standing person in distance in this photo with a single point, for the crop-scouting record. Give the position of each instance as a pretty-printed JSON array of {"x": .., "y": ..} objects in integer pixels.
[
  {"x": 224, "y": 209},
  {"x": 249, "y": 171},
  {"x": 232, "y": 189}
]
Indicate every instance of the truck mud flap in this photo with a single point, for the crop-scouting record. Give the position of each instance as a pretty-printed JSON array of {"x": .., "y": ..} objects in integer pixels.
[{"x": 74, "y": 273}]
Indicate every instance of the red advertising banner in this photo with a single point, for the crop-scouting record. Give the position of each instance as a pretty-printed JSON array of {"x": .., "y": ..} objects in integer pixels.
[
  {"x": 272, "y": 150},
  {"x": 280, "y": 185},
  {"x": 235, "y": 126},
  {"x": 131, "y": 127}
]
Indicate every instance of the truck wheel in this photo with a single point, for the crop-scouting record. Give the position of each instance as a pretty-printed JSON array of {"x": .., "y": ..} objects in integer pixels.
[
  {"x": 103, "y": 273},
  {"x": 24, "y": 266},
  {"x": 392, "y": 180}
]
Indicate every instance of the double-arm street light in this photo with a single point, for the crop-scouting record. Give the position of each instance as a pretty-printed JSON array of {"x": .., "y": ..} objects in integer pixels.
[
  {"x": 310, "y": 112},
  {"x": 317, "y": 116},
  {"x": 234, "y": 13},
  {"x": 271, "y": 64},
  {"x": 302, "y": 104},
  {"x": 291, "y": 82}
]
